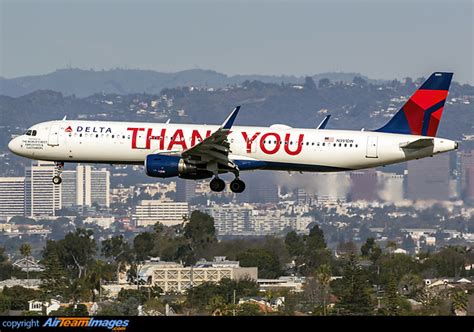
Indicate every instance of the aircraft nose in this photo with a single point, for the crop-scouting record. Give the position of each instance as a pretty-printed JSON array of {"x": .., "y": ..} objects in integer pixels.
[{"x": 14, "y": 145}]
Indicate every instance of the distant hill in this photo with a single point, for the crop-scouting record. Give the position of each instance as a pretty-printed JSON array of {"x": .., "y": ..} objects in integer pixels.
[{"x": 82, "y": 83}]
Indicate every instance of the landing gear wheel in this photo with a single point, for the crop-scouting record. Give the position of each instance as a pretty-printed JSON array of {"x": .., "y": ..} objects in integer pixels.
[
  {"x": 57, "y": 180},
  {"x": 237, "y": 186},
  {"x": 217, "y": 184}
]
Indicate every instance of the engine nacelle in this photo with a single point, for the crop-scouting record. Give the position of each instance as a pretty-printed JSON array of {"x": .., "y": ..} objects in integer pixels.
[{"x": 163, "y": 166}]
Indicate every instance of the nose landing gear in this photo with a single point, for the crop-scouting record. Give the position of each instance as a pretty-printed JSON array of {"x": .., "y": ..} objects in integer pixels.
[{"x": 58, "y": 170}]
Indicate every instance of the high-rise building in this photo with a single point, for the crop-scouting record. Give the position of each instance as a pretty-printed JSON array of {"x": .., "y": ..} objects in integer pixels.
[
  {"x": 12, "y": 197},
  {"x": 68, "y": 190},
  {"x": 466, "y": 176},
  {"x": 391, "y": 187},
  {"x": 42, "y": 197},
  {"x": 364, "y": 185},
  {"x": 86, "y": 186},
  {"x": 149, "y": 212},
  {"x": 261, "y": 188},
  {"x": 185, "y": 190},
  {"x": 428, "y": 178},
  {"x": 100, "y": 187}
]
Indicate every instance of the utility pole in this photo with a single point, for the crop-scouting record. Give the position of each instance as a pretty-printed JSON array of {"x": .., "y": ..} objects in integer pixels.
[{"x": 233, "y": 309}]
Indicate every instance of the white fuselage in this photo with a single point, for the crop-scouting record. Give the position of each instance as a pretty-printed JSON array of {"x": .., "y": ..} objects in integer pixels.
[{"x": 280, "y": 147}]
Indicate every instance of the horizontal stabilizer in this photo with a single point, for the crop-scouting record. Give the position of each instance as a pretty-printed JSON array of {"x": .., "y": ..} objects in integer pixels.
[{"x": 418, "y": 144}]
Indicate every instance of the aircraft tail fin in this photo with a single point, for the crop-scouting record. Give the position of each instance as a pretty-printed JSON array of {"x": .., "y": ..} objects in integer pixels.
[{"x": 421, "y": 114}]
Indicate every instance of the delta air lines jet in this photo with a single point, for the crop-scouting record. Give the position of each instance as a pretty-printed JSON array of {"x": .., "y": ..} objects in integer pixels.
[{"x": 192, "y": 151}]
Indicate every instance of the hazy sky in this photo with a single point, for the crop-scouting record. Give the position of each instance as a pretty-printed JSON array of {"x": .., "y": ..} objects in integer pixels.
[{"x": 379, "y": 38}]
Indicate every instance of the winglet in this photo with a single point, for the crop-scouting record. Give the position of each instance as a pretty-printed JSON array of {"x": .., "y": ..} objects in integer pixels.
[
  {"x": 323, "y": 123},
  {"x": 230, "y": 119}
]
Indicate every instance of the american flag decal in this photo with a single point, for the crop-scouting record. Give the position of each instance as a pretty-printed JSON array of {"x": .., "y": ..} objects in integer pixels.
[{"x": 328, "y": 139}]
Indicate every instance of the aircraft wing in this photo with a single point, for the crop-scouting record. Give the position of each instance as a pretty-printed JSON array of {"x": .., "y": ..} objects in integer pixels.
[{"x": 215, "y": 148}]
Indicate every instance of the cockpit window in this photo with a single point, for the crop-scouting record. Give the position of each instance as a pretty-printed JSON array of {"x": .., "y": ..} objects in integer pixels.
[
  {"x": 28, "y": 133},
  {"x": 33, "y": 133}
]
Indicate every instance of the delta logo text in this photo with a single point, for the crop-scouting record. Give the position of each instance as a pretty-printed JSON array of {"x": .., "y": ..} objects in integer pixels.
[{"x": 75, "y": 322}]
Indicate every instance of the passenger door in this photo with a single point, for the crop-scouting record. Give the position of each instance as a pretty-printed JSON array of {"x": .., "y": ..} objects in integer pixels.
[
  {"x": 53, "y": 137},
  {"x": 371, "y": 147}
]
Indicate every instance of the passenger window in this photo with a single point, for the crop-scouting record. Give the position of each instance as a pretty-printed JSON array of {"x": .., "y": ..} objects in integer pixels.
[
  {"x": 324, "y": 144},
  {"x": 356, "y": 145}
]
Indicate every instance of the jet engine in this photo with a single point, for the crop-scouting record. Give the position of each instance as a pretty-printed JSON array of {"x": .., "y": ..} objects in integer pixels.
[{"x": 164, "y": 166}]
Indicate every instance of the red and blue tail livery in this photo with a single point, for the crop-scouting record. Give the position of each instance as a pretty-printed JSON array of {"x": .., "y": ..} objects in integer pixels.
[{"x": 422, "y": 112}]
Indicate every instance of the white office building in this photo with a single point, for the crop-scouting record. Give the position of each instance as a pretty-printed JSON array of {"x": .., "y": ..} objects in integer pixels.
[
  {"x": 149, "y": 212},
  {"x": 42, "y": 197},
  {"x": 86, "y": 186},
  {"x": 100, "y": 187},
  {"x": 250, "y": 220},
  {"x": 174, "y": 277},
  {"x": 68, "y": 190},
  {"x": 12, "y": 197}
]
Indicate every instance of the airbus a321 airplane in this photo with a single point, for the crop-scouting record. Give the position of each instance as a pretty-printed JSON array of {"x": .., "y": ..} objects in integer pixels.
[{"x": 192, "y": 151}]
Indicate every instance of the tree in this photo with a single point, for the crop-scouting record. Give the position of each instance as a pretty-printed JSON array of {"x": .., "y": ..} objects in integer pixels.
[
  {"x": 200, "y": 230},
  {"x": 267, "y": 262},
  {"x": 448, "y": 262},
  {"x": 6, "y": 267},
  {"x": 359, "y": 81},
  {"x": 324, "y": 83},
  {"x": 315, "y": 252},
  {"x": 75, "y": 252},
  {"x": 19, "y": 296},
  {"x": 355, "y": 297},
  {"x": 143, "y": 245},
  {"x": 294, "y": 243},
  {"x": 117, "y": 249},
  {"x": 210, "y": 296},
  {"x": 248, "y": 309},
  {"x": 370, "y": 249},
  {"x": 460, "y": 303},
  {"x": 5, "y": 303},
  {"x": 25, "y": 250},
  {"x": 54, "y": 279},
  {"x": 392, "y": 300},
  {"x": 323, "y": 275}
]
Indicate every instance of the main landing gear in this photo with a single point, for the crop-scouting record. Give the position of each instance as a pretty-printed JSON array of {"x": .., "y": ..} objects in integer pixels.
[
  {"x": 217, "y": 184},
  {"x": 237, "y": 186},
  {"x": 58, "y": 170}
]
